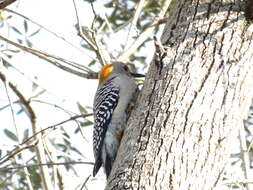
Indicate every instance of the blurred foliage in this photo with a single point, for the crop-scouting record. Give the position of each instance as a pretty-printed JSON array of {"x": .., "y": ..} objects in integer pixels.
[
  {"x": 118, "y": 18},
  {"x": 122, "y": 12}
]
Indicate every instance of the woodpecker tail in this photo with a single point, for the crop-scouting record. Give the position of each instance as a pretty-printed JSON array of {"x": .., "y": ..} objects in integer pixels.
[
  {"x": 97, "y": 166},
  {"x": 108, "y": 166}
]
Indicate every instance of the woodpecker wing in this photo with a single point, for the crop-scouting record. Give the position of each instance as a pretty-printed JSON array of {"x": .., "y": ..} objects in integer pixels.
[{"x": 106, "y": 100}]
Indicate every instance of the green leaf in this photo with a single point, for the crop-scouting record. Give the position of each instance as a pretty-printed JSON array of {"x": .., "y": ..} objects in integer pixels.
[
  {"x": 10, "y": 134},
  {"x": 92, "y": 63},
  {"x": 83, "y": 124},
  {"x": 76, "y": 150},
  {"x": 34, "y": 33},
  {"x": 16, "y": 30},
  {"x": 6, "y": 63},
  {"x": 81, "y": 108},
  {"x": 29, "y": 43},
  {"x": 26, "y": 134},
  {"x": 25, "y": 26},
  {"x": 34, "y": 86},
  {"x": 20, "y": 111},
  {"x": 20, "y": 41},
  {"x": 86, "y": 123}
]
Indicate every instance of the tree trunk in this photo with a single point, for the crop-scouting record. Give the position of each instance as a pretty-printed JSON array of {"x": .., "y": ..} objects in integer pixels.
[{"x": 182, "y": 129}]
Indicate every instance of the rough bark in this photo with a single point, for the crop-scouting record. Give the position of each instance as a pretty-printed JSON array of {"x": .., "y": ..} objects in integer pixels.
[{"x": 192, "y": 102}]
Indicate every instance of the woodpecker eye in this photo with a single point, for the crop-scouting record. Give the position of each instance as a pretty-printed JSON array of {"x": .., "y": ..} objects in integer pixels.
[{"x": 126, "y": 68}]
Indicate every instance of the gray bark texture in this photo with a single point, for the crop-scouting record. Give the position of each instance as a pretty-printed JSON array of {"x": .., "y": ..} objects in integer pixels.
[{"x": 181, "y": 133}]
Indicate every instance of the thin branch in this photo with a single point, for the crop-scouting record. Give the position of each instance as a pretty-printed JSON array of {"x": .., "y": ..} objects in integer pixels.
[
  {"x": 9, "y": 61},
  {"x": 53, "y": 105},
  {"x": 9, "y": 84},
  {"x": 6, "y": 106},
  {"x": 245, "y": 155},
  {"x": 80, "y": 31},
  {"x": 250, "y": 146},
  {"x": 85, "y": 182},
  {"x": 58, "y": 178},
  {"x": 50, "y": 31},
  {"x": 56, "y": 61},
  {"x": 16, "y": 151},
  {"x": 46, "y": 164},
  {"x": 106, "y": 23},
  {"x": 121, "y": 27},
  {"x": 241, "y": 181},
  {"x": 53, "y": 126},
  {"x": 64, "y": 110},
  {"x": 39, "y": 148},
  {"x": 145, "y": 34},
  {"x": 90, "y": 37},
  {"x": 95, "y": 16},
  {"x": 10, "y": 104},
  {"x": 7, "y": 179},
  {"x": 137, "y": 13},
  {"x": 5, "y": 3},
  {"x": 101, "y": 53},
  {"x": 20, "y": 95},
  {"x": 33, "y": 142}
]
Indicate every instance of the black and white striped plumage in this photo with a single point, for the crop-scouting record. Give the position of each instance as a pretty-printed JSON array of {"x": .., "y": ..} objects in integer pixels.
[
  {"x": 117, "y": 90},
  {"x": 106, "y": 100}
]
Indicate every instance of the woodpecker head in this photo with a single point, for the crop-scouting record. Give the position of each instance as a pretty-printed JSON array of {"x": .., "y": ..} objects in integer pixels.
[{"x": 116, "y": 68}]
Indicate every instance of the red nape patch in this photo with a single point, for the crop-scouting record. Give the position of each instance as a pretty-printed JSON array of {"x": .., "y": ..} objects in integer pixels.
[{"x": 105, "y": 72}]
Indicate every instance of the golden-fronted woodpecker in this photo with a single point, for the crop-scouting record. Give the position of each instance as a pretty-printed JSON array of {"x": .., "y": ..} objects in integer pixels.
[{"x": 115, "y": 94}]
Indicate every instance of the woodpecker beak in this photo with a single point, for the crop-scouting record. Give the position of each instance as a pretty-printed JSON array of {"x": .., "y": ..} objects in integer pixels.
[{"x": 137, "y": 75}]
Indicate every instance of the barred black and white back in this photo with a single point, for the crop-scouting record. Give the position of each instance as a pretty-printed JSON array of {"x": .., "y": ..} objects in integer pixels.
[{"x": 106, "y": 100}]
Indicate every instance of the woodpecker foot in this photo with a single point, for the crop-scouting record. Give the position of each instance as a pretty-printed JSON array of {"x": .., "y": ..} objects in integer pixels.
[{"x": 160, "y": 52}]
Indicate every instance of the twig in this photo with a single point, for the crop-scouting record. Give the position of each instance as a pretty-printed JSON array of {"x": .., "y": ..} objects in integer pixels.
[
  {"x": 61, "y": 108},
  {"x": 121, "y": 27},
  {"x": 6, "y": 106},
  {"x": 110, "y": 30},
  {"x": 53, "y": 126},
  {"x": 46, "y": 164},
  {"x": 7, "y": 59},
  {"x": 241, "y": 181},
  {"x": 39, "y": 148},
  {"x": 137, "y": 13},
  {"x": 85, "y": 182},
  {"x": 58, "y": 178},
  {"x": 7, "y": 178},
  {"x": 17, "y": 150},
  {"x": 245, "y": 156},
  {"x": 11, "y": 105},
  {"x": 33, "y": 143},
  {"x": 19, "y": 94},
  {"x": 53, "y": 105},
  {"x": 56, "y": 61},
  {"x": 84, "y": 36},
  {"x": 50, "y": 31},
  {"x": 5, "y": 3},
  {"x": 102, "y": 55},
  {"x": 250, "y": 146},
  {"x": 145, "y": 34},
  {"x": 9, "y": 84},
  {"x": 90, "y": 37}
]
